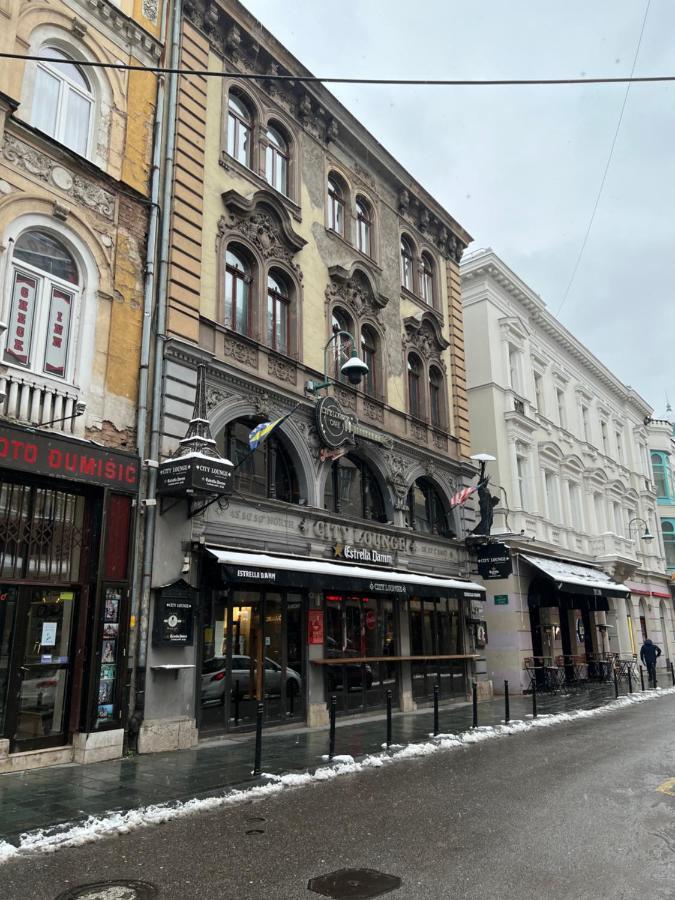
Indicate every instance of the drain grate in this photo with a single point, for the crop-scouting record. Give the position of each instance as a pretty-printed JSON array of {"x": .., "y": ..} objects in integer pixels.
[
  {"x": 354, "y": 884},
  {"x": 111, "y": 890}
]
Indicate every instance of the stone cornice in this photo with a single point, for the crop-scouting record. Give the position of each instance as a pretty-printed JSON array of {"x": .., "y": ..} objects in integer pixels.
[
  {"x": 134, "y": 35},
  {"x": 486, "y": 264}
]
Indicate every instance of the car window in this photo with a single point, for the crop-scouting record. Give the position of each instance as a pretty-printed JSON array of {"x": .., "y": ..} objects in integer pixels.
[{"x": 215, "y": 664}]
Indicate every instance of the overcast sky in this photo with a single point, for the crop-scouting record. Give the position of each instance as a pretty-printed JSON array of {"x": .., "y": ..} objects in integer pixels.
[{"x": 520, "y": 167}]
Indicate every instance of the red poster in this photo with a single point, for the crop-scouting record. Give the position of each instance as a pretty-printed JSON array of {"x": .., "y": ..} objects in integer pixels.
[
  {"x": 315, "y": 626},
  {"x": 20, "y": 331}
]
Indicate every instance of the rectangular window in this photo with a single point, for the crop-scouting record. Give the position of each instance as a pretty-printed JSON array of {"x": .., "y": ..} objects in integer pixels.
[
  {"x": 560, "y": 399},
  {"x": 605, "y": 436},
  {"x": 586, "y": 423},
  {"x": 539, "y": 393},
  {"x": 521, "y": 466},
  {"x": 599, "y": 507},
  {"x": 20, "y": 330},
  {"x": 575, "y": 505},
  {"x": 514, "y": 368},
  {"x": 58, "y": 332},
  {"x": 552, "y": 506},
  {"x": 668, "y": 532},
  {"x": 619, "y": 446}
]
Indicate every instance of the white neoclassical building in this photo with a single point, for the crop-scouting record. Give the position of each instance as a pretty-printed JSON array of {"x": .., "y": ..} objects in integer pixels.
[{"x": 577, "y": 501}]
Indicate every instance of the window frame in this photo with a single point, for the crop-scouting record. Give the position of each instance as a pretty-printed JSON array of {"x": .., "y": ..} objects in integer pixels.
[
  {"x": 371, "y": 356},
  {"x": 668, "y": 542},
  {"x": 662, "y": 468},
  {"x": 235, "y": 123},
  {"x": 367, "y": 477},
  {"x": 273, "y": 152},
  {"x": 247, "y": 277},
  {"x": 428, "y": 280},
  {"x": 66, "y": 86},
  {"x": 407, "y": 252},
  {"x": 416, "y": 407},
  {"x": 364, "y": 227},
  {"x": 272, "y": 450},
  {"x": 432, "y": 499},
  {"x": 46, "y": 284},
  {"x": 336, "y": 205},
  {"x": 280, "y": 302}
]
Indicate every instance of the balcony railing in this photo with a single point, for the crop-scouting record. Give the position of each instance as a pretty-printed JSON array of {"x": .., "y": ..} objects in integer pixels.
[{"x": 36, "y": 401}]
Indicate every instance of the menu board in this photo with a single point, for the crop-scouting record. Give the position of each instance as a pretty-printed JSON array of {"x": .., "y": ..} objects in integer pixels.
[{"x": 106, "y": 710}]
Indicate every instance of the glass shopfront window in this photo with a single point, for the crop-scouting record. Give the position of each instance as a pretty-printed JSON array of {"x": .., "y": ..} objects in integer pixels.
[
  {"x": 252, "y": 651},
  {"x": 362, "y": 629},
  {"x": 435, "y": 632}
]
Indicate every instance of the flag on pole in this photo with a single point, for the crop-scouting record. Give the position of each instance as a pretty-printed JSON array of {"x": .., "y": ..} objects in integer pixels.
[
  {"x": 263, "y": 431},
  {"x": 462, "y": 496}
]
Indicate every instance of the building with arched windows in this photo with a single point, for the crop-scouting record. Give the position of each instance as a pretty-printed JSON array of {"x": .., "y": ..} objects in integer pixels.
[
  {"x": 335, "y": 566},
  {"x": 578, "y": 498},
  {"x": 75, "y": 154}
]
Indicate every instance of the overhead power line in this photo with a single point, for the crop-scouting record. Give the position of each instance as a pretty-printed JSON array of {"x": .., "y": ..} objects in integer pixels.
[
  {"x": 329, "y": 79},
  {"x": 608, "y": 164}
]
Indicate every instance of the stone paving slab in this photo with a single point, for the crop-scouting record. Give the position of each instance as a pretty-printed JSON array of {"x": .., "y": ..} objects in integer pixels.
[{"x": 43, "y": 798}]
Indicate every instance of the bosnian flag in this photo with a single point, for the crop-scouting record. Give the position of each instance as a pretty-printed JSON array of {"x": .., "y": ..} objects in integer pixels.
[{"x": 463, "y": 495}]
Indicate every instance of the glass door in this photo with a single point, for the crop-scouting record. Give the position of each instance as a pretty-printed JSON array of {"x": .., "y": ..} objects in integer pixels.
[{"x": 41, "y": 667}]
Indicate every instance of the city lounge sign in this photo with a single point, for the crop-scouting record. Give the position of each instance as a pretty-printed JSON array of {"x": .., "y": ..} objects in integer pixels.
[
  {"x": 494, "y": 561},
  {"x": 336, "y": 427},
  {"x": 358, "y": 539},
  {"x": 46, "y": 454}
]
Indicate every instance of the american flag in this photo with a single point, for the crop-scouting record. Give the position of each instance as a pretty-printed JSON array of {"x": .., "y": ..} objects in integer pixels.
[{"x": 462, "y": 496}]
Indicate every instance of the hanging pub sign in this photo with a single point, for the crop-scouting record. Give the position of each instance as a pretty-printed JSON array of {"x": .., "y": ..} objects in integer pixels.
[
  {"x": 336, "y": 427},
  {"x": 494, "y": 561},
  {"x": 174, "y": 615},
  {"x": 193, "y": 475}
]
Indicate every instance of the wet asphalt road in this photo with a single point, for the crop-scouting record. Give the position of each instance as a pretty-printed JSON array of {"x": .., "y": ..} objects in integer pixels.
[{"x": 564, "y": 812}]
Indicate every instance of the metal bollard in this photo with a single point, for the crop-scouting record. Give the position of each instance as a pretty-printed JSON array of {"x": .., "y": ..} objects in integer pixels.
[
  {"x": 630, "y": 682},
  {"x": 507, "y": 711},
  {"x": 257, "y": 767},
  {"x": 331, "y": 733},
  {"x": 475, "y": 705},
  {"x": 388, "y": 719},
  {"x": 642, "y": 679},
  {"x": 616, "y": 686},
  {"x": 236, "y": 702},
  {"x": 436, "y": 728},
  {"x": 672, "y": 672},
  {"x": 534, "y": 700}
]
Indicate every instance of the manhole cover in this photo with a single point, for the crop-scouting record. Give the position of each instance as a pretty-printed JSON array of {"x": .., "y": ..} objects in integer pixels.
[
  {"x": 354, "y": 884},
  {"x": 111, "y": 890}
]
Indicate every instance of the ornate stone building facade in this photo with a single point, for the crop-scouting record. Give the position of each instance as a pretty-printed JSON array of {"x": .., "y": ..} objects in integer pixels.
[
  {"x": 75, "y": 151},
  {"x": 296, "y": 240},
  {"x": 577, "y": 497}
]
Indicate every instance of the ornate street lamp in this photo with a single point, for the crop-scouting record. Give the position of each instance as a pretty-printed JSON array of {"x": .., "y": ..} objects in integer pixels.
[
  {"x": 647, "y": 535},
  {"x": 354, "y": 368}
]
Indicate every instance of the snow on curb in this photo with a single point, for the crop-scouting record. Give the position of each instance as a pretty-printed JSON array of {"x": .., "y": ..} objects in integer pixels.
[{"x": 95, "y": 829}]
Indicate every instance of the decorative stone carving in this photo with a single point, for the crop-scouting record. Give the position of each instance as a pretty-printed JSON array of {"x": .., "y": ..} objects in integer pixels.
[
  {"x": 233, "y": 43},
  {"x": 150, "y": 9},
  {"x": 241, "y": 352},
  {"x": 39, "y": 165},
  {"x": 215, "y": 396},
  {"x": 419, "y": 432},
  {"x": 281, "y": 369},
  {"x": 311, "y": 437},
  {"x": 346, "y": 398},
  {"x": 262, "y": 404},
  {"x": 397, "y": 468},
  {"x": 354, "y": 293},
  {"x": 264, "y": 222},
  {"x": 424, "y": 335},
  {"x": 374, "y": 411},
  {"x": 78, "y": 28},
  {"x": 271, "y": 84},
  {"x": 332, "y": 131},
  {"x": 60, "y": 211},
  {"x": 403, "y": 202},
  {"x": 211, "y": 20},
  {"x": 439, "y": 440},
  {"x": 305, "y": 109},
  {"x": 424, "y": 220}
]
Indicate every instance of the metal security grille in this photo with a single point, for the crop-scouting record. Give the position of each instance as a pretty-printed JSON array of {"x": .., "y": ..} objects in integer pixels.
[{"x": 41, "y": 533}]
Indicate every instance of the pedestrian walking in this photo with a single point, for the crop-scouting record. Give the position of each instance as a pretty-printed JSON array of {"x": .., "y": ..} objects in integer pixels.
[{"x": 649, "y": 653}]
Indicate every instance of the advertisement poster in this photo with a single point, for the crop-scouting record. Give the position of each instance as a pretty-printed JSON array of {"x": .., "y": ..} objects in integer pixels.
[
  {"x": 108, "y": 652},
  {"x": 315, "y": 626},
  {"x": 48, "y": 638}
]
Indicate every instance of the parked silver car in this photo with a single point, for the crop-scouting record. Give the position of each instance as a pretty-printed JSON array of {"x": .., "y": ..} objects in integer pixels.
[{"x": 214, "y": 675}]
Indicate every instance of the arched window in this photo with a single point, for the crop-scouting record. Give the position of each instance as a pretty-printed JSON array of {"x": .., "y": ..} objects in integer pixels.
[
  {"x": 415, "y": 386},
  {"x": 425, "y": 509},
  {"x": 364, "y": 226},
  {"x": 239, "y": 129},
  {"x": 237, "y": 291},
  {"x": 662, "y": 475},
  {"x": 369, "y": 355},
  {"x": 336, "y": 206},
  {"x": 342, "y": 346},
  {"x": 278, "y": 312},
  {"x": 352, "y": 490},
  {"x": 407, "y": 279},
  {"x": 276, "y": 160},
  {"x": 436, "y": 398},
  {"x": 268, "y": 472},
  {"x": 63, "y": 101},
  {"x": 668, "y": 532},
  {"x": 44, "y": 290},
  {"x": 427, "y": 279}
]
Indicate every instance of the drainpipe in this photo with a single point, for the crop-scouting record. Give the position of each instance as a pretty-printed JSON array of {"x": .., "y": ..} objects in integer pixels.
[{"x": 142, "y": 596}]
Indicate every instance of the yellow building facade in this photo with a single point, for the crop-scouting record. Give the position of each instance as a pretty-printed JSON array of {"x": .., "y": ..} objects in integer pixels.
[{"x": 75, "y": 155}]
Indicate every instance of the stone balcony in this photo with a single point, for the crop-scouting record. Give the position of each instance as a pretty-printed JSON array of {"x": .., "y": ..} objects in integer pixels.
[{"x": 36, "y": 400}]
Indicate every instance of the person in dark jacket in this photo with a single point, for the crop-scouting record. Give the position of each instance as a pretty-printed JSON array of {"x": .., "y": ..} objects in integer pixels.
[{"x": 649, "y": 653}]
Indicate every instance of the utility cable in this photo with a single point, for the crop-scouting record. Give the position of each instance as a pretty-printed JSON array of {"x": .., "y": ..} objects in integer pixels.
[
  {"x": 609, "y": 162},
  {"x": 307, "y": 79}
]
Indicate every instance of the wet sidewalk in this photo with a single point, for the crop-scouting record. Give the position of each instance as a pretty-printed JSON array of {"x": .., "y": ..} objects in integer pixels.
[{"x": 70, "y": 793}]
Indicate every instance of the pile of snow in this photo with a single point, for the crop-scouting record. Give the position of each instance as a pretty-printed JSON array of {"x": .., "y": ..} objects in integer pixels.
[{"x": 94, "y": 829}]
